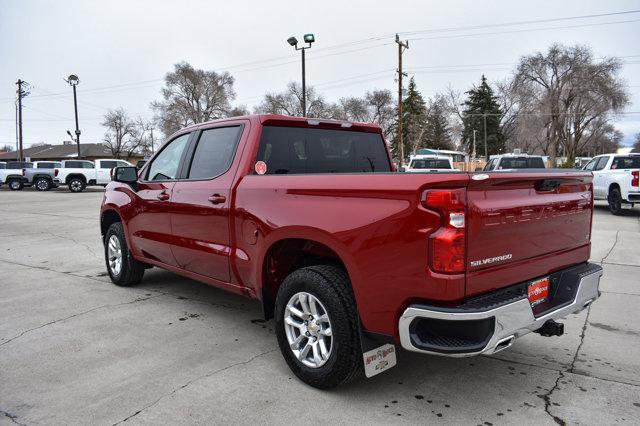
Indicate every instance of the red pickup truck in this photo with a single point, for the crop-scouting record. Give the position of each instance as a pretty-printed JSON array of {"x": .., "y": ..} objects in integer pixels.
[{"x": 349, "y": 256}]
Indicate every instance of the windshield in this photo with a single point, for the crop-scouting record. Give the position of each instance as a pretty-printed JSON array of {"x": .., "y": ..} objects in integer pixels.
[{"x": 431, "y": 163}]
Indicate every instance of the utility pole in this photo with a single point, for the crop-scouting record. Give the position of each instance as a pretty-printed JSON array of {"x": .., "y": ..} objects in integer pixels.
[
  {"x": 473, "y": 155},
  {"x": 20, "y": 94},
  {"x": 402, "y": 46},
  {"x": 73, "y": 81},
  {"x": 152, "y": 143},
  {"x": 486, "y": 154}
]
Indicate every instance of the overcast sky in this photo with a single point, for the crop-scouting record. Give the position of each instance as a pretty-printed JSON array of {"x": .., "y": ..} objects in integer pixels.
[{"x": 121, "y": 49}]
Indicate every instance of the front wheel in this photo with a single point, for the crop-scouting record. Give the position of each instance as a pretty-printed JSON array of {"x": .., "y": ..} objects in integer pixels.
[
  {"x": 123, "y": 269},
  {"x": 16, "y": 185},
  {"x": 615, "y": 201},
  {"x": 43, "y": 184},
  {"x": 317, "y": 326},
  {"x": 76, "y": 185}
]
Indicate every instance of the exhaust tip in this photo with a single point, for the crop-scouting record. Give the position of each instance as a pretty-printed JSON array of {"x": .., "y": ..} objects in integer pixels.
[{"x": 504, "y": 344}]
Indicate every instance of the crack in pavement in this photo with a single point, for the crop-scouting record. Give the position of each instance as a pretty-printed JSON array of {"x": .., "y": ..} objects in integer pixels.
[
  {"x": 611, "y": 249},
  {"x": 547, "y": 400},
  {"x": 87, "y": 246},
  {"x": 11, "y": 417},
  {"x": 210, "y": 374},
  {"x": 112, "y": 305},
  {"x": 49, "y": 214}
]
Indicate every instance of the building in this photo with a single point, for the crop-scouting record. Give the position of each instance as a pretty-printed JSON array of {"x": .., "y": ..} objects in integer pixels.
[{"x": 67, "y": 151}]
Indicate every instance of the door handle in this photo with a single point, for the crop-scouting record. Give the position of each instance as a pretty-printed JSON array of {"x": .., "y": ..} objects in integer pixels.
[
  {"x": 217, "y": 199},
  {"x": 163, "y": 196}
]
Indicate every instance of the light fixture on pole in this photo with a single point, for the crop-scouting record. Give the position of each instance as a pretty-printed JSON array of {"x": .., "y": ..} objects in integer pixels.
[
  {"x": 308, "y": 38},
  {"x": 73, "y": 81}
]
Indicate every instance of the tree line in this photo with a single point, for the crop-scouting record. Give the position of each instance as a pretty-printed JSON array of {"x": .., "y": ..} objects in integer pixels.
[{"x": 560, "y": 102}]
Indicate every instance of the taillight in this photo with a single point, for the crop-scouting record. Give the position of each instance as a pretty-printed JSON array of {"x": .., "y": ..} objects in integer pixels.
[
  {"x": 111, "y": 173},
  {"x": 635, "y": 178},
  {"x": 55, "y": 172},
  {"x": 447, "y": 244},
  {"x": 24, "y": 172}
]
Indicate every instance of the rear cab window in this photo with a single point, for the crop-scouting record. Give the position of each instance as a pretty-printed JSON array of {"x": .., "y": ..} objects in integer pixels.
[
  {"x": 298, "y": 150},
  {"x": 430, "y": 164},
  {"x": 521, "y": 163}
]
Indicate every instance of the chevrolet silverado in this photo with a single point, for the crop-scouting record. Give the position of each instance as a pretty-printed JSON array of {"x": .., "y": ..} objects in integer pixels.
[{"x": 349, "y": 257}]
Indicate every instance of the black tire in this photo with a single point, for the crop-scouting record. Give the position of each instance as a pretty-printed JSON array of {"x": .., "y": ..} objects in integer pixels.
[
  {"x": 131, "y": 271},
  {"x": 615, "y": 201},
  {"x": 331, "y": 286},
  {"x": 77, "y": 185},
  {"x": 42, "y": 184},
  {"x": 16, "y": 184}
]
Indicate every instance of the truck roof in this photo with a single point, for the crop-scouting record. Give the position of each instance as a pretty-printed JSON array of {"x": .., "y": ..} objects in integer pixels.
[{"x": 287, "y": 120}]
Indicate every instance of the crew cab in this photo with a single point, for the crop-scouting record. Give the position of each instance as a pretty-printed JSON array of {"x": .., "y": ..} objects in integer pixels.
[
  {"x": 41, "y": 175},
  {"x": 350, "y": 258},
  {"x": 429, "y": 163},
  {"x": 616, "y": 179},
  {"x": 13, "y": 174},
  {"x": 514, "y": 161},
  {"x": 78, "y": 174}
]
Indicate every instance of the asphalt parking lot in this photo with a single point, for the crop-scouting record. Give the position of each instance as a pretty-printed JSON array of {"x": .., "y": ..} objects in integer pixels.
[{"x": 75, "y": 349}]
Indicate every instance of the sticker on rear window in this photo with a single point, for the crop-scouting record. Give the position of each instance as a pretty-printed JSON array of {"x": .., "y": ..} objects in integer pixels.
[{"x": 261, "y": 167}]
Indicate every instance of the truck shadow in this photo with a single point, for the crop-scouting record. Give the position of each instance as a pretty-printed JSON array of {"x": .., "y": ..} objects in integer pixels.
[
  {"x": 420, "y": 385},
  {"x": 630, "y": 212}
]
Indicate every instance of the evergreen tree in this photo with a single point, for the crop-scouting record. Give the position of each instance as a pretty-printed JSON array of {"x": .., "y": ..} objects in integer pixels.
[
  {"x": 481, "y": 105},
  {"x": 413, "y": 121},
  {"x": 437, "y": 134}
]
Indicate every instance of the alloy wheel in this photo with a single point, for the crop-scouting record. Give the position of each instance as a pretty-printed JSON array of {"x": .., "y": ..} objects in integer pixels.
[
  {"x": 308, "y": 329},
  {"x": 114, "y": 254}
]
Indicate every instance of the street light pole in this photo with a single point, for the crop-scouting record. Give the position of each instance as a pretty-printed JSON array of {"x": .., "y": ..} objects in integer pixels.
[
  {"x": 73, "y": 81},
  {"x": 308, "y": 38}
]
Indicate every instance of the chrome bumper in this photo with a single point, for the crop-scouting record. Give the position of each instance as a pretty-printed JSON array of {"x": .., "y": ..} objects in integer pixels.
[{"x": 512, "y": 320}]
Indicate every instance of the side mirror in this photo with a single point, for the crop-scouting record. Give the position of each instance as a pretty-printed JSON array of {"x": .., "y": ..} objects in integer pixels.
[
  {"x": 128, "y": 175},
  {"x": 402, "y": 169}
]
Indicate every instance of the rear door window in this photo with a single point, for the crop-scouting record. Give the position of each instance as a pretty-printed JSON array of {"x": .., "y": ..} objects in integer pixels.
[
  {"x": 632, "y": 162},
  {"x": 214, "y": 152},
  {"x": 292, "y": 150}
]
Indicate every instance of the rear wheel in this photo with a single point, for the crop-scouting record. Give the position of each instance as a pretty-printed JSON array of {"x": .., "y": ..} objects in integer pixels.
[
  {"x": 15, "y": 184},
  {"x": 317, "y": 326},
  {"x": 76, "y": 185},
  {"x": 123, "y": 269},
  {"x": 615, "y": 201},
  {"x": 42, "y": 184}
]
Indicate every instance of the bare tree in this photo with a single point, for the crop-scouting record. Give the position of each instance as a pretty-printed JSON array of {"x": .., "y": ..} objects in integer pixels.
[
  {"x": 573, "y": 90},
  {"x": 376, "y": 106},
  {"x": 193, "y": 96},
  {"x": 289, "y": 102},
  {"x": 125, "y": 136},
  {"x": 7, "y": 148}
]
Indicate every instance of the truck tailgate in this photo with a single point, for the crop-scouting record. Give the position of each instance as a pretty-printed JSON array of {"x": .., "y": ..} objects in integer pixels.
[{"x": 524, "y": 224}]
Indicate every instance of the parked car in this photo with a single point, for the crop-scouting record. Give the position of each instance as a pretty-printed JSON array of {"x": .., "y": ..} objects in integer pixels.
[
  {"x": 351, "y": 260},
  {"x": 616, "y": 178},
  {"x": 13, "y": 174},
  {"x": 430, "y": 163},
  {"x": 3, "y": 165},
  {"x": 140, "y": 164},
  {"x": 78, "y": 174},
  {"x": 42, "y": 175},
  {"x": 514, "y": 161}
]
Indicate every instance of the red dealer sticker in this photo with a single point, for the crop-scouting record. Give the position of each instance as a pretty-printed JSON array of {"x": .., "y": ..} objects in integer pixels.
[
  {"x": 538, "y": 291},
  {"x": 261, "y": 167}
]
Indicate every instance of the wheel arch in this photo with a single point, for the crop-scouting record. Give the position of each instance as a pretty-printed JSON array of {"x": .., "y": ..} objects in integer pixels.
[
  {"x": 289, "y": 252},
  {"x": 75, "y": 175}
]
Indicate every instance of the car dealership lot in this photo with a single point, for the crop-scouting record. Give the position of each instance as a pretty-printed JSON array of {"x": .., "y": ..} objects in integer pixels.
[{"x": 76, "y": 349}]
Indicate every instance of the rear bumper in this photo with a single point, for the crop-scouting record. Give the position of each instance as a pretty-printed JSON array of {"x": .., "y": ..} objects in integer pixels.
[{"x": 492, "y": 322}]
